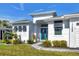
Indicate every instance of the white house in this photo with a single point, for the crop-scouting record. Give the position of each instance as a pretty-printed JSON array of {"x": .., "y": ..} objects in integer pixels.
[
  {"x": 49, "y": 26},
  {"x": 23, "y": 29}
]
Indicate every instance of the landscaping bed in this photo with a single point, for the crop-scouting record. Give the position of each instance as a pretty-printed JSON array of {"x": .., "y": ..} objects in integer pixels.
[{"x": 55, "y": 43}]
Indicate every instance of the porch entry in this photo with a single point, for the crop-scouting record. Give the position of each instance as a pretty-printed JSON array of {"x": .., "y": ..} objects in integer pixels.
[{"x": 44, "y": 32}]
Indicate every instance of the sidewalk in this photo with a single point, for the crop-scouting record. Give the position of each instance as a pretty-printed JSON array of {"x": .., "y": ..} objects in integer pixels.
[{"x": 37, "y": 46}]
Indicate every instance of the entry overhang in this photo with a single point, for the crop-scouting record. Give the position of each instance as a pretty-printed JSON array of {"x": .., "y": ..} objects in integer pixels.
[{"x": 49, "y": 19}]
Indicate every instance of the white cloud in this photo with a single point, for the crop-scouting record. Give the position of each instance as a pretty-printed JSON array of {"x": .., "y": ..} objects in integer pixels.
[
  {"x": 21, "y": 7},
  {"x": 14, "y": 7},
  {"x": 38, "y": 10},
  {"x": 35, "y": 11}
]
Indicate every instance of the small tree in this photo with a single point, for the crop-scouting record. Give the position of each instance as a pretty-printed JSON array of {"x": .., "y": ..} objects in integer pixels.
[
  {"x": 5, "y": 23},
  {"x": 16, "y": 40},
  {"x": 6, "y": 36},
  {"x": 9, "y": 35},
  {"x": 15, "y": 36}
]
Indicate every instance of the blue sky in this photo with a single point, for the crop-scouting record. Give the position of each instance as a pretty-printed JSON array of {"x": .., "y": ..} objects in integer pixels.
[{"x": 16, "y": 11}]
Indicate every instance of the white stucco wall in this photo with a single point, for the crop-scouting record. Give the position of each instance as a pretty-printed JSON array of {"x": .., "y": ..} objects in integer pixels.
[
  {"x": 36, "y": 31},
  {"x": 24, "y": 35},
  {"x": 64, "y": 36},
  {"x": 31, "y": 28},
  {"x": 72, "y": 41},
  {"x": 74, "y": 38}
]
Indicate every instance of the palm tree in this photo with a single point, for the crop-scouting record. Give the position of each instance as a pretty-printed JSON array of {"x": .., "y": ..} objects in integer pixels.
[
  {"x": 4, "y": 23},
  {"x": 0, "y": 23}
]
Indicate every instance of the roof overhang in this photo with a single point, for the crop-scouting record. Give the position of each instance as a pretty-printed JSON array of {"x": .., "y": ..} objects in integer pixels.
[
  {"x": 65, "y": 17},
  {"x": 21, "y": 22},
  {"x": 50, "y": 19},
  {"x": 43, "y": 13},
  {"x": 69, "y": 16}
]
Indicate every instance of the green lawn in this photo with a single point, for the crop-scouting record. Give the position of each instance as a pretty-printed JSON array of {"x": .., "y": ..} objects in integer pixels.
[{"x": 27, "y": 50}]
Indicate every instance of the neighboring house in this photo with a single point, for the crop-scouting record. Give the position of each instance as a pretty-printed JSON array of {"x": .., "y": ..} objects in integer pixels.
[{"x": 49, "y": 26}]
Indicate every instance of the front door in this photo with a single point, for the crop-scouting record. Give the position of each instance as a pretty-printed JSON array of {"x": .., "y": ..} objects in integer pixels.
[{"x": 44, "y": 33}]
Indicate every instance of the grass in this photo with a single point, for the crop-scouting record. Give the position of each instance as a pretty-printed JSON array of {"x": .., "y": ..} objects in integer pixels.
[{"x": 27, "y": 50}]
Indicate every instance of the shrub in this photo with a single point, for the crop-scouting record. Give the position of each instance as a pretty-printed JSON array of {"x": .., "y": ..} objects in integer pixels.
[
  {"x": 61, "y": 43},
  {"x": 47, "y": 43},
  {"x": 5, "y": 41},
  {"x": 30, "y": 41},
  {"x": 0, "y": 41},
  {"x": 7, "y": 35},
  {"x": 15, "y": 36},
  {"x": 15, "y": 41},
  {"x": 56, "y": 43}
]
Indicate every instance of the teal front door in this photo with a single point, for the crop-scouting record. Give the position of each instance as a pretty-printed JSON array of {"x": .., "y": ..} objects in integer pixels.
[{"x": 44, "y": 33}]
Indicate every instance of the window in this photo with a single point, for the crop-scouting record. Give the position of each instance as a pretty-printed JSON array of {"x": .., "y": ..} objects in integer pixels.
[
  {"x": 20, "y": 28},
  {"x": 15, "y": 28},
  {"x": 58, "y": 27},
  {"x": 67, "y": 24},
  {"x": 77, "y": 24},
  {"x": 58, "y": 31},
  {"x": 24, "y": 28},
  {"x": 44, "y": 25}
]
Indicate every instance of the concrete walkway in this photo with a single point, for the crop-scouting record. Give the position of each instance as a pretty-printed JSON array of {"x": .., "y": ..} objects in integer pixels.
[{"x": 39, "y": 47}]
